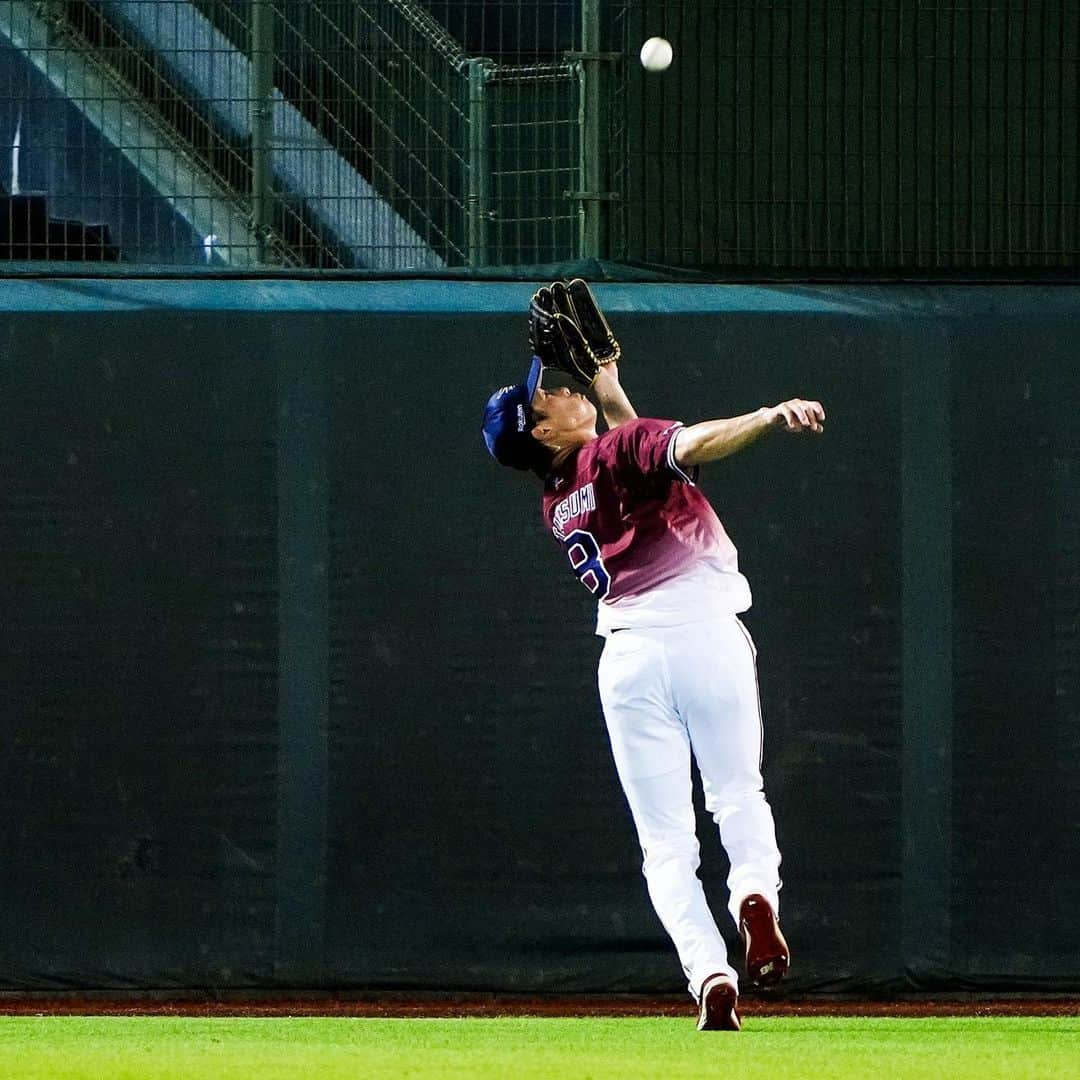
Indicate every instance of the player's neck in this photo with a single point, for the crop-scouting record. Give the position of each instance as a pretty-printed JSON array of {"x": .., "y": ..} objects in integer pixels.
[{"x": 572, "y": 442}]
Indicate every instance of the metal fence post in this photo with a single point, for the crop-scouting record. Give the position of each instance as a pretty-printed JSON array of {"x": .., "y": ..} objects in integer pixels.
[
  {"x": 262, "y": 121},
  {"x": 594, "y": 195},
  {"x": 592, "y": 100},
  {"x": 478, "y": 164}
]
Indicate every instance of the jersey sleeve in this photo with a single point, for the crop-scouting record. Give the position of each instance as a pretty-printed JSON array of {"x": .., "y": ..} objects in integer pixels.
[{"x": 644, "y": 449}]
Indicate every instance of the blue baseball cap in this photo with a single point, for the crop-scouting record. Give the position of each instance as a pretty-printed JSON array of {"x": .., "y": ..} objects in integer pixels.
[{"x": 508, "y": 422}]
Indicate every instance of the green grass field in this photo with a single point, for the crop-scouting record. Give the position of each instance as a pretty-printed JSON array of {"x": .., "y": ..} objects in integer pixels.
[{"x": 146, "y": 1048}]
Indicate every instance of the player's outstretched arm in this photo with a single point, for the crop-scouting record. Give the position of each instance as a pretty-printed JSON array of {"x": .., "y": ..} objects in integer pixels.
[
  {"x": 611, "y": 397},
  {"x": 715, "y": 439}
]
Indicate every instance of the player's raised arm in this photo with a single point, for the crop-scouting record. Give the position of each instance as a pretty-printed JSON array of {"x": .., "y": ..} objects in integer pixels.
[
  {"x": 614, "y": 405},
  {"x": 570, "y": 333},
  {"x": 715, "y": 439}
]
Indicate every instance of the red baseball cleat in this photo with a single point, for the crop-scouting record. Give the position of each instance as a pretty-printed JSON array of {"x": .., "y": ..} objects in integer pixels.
[
  {"x": 767, "y": 955},
  {"x": 718, "y": 1000}
]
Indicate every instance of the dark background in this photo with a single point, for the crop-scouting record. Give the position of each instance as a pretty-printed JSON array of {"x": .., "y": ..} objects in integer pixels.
[{"x": 295, "y": 692}]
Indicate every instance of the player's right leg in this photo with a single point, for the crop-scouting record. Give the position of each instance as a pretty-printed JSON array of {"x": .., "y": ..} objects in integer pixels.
[
  {"x": 715, "y": 688},
  {"x": 652, "y": 755}
]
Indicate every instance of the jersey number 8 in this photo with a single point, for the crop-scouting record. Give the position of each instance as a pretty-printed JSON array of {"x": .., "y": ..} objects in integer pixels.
[{"x": 587, "y": 563}]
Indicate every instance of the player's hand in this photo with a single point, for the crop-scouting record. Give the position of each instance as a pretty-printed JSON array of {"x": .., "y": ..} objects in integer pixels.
[{"x": 797, "y": 416}]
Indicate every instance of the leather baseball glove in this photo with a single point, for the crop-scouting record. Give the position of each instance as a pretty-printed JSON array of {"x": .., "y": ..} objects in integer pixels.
[{"x": 568, "y": 331}]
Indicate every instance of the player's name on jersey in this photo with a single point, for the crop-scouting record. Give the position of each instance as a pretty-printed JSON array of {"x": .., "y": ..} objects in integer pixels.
[{"x": 574, "y": 505}]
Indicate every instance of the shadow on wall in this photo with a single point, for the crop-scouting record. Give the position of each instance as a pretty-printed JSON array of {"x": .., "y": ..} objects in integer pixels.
[{"x": 68, "y": 194}]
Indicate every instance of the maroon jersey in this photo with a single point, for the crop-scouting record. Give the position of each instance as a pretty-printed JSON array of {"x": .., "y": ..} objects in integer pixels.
[{"x": 628, "y": 517}]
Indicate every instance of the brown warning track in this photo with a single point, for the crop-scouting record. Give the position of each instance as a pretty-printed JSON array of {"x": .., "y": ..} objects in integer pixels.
[{"x": 491, "y": 1005}]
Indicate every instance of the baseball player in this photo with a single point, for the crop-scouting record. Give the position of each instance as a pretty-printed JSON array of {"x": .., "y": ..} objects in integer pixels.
[{"x": 677, "y": 675}]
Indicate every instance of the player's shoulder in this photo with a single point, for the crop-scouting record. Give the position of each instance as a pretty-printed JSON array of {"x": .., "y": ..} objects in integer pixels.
[
  {"x": 642, "y": 425},
  {"x": 628, "y": 437}
]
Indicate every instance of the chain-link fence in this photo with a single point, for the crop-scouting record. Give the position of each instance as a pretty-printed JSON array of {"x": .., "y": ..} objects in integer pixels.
[
  {"x": 884, "y": 136},
  {"x": 875, "y": 137},
  {"x": 351, "y": 134}
]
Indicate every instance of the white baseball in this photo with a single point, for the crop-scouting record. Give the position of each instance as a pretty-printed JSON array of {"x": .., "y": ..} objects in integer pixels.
[{"x": 656, "y": 54}]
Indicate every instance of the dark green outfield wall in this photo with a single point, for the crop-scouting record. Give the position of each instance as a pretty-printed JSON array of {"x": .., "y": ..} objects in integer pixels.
[{"x": 294, "y": 690}]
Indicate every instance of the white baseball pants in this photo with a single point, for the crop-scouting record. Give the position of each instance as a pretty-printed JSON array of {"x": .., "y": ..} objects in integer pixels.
[{"x": 668, "y": 693}]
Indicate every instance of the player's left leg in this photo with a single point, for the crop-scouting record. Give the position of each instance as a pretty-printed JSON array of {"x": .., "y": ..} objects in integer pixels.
[{"x": 716, "y": 693}]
